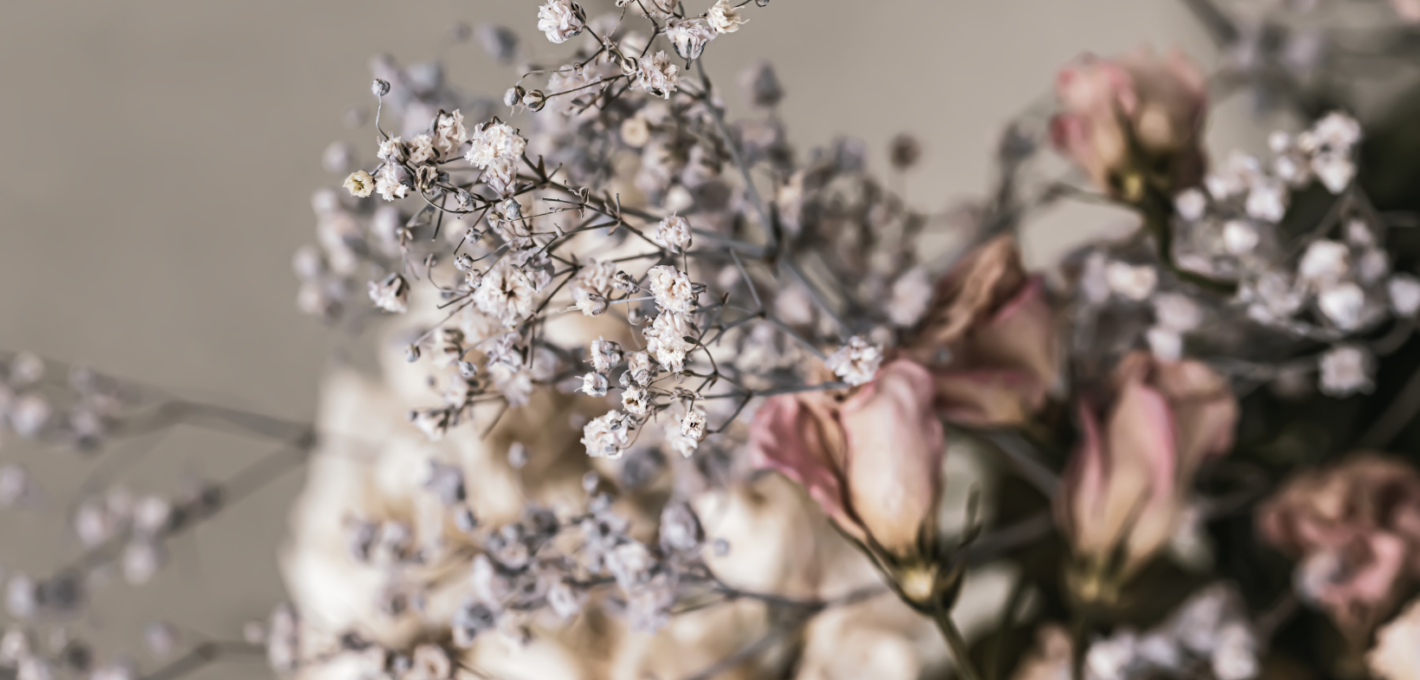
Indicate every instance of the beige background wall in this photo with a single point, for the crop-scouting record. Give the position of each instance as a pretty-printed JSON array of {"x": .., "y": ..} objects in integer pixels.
[{"x": 159, "y": 156}]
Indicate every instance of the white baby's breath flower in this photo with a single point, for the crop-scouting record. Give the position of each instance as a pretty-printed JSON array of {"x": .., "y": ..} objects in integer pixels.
[
  {"x": 607, "y": 436},
  {"x": 856, "y": 362},
  {"x": 604, "y": 354},
  {"x": 560, "y": 20},
  {"x": 360, "y": 184},
  {"x": 1239, "y": 237},
  {"x": 1176, "y": 311},
  {"x": 588, "y": 303},
  {"x": 1235, "y": 654},
  {"x": 594, "y": 277},
  {"x": 450, "y": 132},
  {"x": 911, "y": 293},
  {"x": 1334, "y": 170},
  {"x": 1267, "y": 201},
  {"x": 505, "y": 293},
  {"x": 1404, "y": 292},
  {"x": 594, "y": 384},
  {"x": 515, "y": 383},
  {"x": 666, "y": 340},
  {"x": 1131, "y": 282},
  {"x": 692, "y": 425},
  {"x": 636, "y": 400},
  {"x": 724, "y": 17},
  {"x": 1324, "y": 262},
  {"x": 421, "y": 150},
  {"x": 495, "y": 142},
  {"x": 657, "y": 76},
  {"x": 392, "y": 150},
  {"x": 391, "y": 294},
  {"x": 689, "y": 36},
  {"x": 1334, "y": 132},
  {"x": 1344, "y": 304},
  {"x": 501, "y": 176},
  {"x": 672, "y": 288},
  {"x": 638, "y": 367},
  {"x": 390, "y": 184},
  {"x": 1191, "y": 204},
  {"x": 1165, "y": 343},
  {"x": 1346, "y": 370},
  {"x": 1233, "y": 177},
  {"x": 673, "y": 233}
]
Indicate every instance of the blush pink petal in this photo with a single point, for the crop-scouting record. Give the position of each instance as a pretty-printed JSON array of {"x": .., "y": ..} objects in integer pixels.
[
  {"x": 784, "y": 437},
  {"x": 895, "y": 447}
]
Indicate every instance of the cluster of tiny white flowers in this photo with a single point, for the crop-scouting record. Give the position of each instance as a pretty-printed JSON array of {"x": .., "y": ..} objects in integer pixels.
[{"x": 856, "y": 362}]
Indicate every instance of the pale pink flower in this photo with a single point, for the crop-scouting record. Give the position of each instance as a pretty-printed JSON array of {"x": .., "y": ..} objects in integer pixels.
[
  {"x": 1136, "y": 104},
  {"x": 1128, "y": 482},
  {"x": 1355, "y": 528},
  {"x": 873, "y": 462},
  {"x": 989, "y": 339}
]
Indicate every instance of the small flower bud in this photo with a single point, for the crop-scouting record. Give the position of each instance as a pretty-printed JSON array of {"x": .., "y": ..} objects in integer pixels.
[
  {"x": 513, "y": 96},
  {"x": 624, "y": 282},
  {"x": 535, "y": 100},
  {"x": 463, "y": 262},
  {"x": 380, "y": 88},
  {"x": 411, "y": 353},
  {"x": 468, "y": 369}
]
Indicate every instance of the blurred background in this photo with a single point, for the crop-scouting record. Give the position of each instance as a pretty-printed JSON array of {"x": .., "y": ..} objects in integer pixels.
[{"x": 163, "y": 154}]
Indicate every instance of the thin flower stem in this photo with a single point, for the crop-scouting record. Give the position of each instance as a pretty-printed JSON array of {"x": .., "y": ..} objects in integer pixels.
[
  {"x": 202, "y": 656},
  {"x": 960, "y": 652}
]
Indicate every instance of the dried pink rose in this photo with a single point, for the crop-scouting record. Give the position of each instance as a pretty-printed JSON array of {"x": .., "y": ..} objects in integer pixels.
[
  {"x": 1127, "y": 117},
  {"x": 989, "y": 339},
  {"x": 1409, "y": 10},
  {"x": 1127, "y": 484},
  {"x": 873, "y": 462},
  {"x": 1355, "y": 528}
]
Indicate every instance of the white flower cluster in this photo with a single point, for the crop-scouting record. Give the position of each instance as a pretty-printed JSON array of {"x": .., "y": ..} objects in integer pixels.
[
  {"x": 856, "y": 362},
  {"x": 1210, "y": 628}
]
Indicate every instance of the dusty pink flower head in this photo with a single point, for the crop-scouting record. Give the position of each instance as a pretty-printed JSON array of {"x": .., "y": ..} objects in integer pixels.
[
  {"x": 1355, "y": 528},
  {"x": 873, "y": 462},
  {"x": 989, "y": 339},
  {"x": 1128, "y": 480},
  {"x": 1409, "y": 10},
  {"x": 1133, "y": 121}
]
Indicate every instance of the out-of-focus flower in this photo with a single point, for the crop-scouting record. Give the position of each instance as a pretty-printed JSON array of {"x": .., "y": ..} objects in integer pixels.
[
  {"x": 1355, "y": 528},
  {"x": 1346, "y": 370},
  {"x": 1409, "y": 10},
  {"x": 1051, "y": 659},
  {"x": 873, "y": 463},
  {"x": 1127, "y": 485},
  {"x": 1127, "y": 117},
  {"x": 855, "y": 362},
  {"x": 391, "y": 294},
  {"x": 989, "y": 339},
  {"x": 1396, "y": 655}
]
